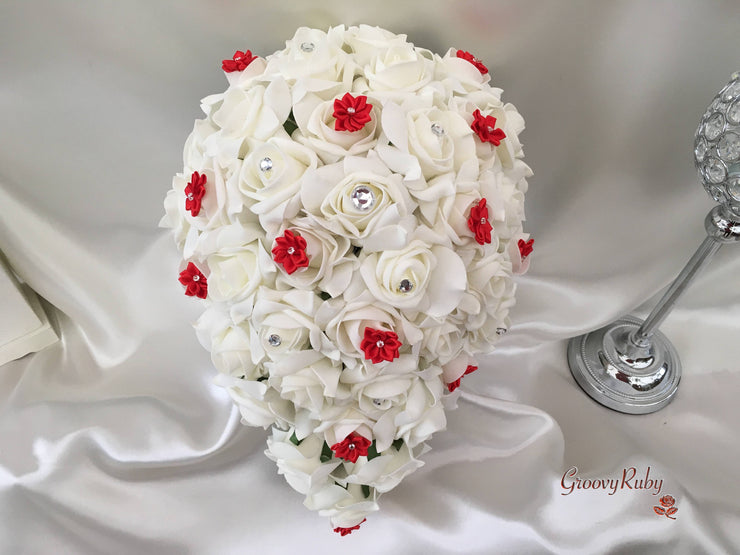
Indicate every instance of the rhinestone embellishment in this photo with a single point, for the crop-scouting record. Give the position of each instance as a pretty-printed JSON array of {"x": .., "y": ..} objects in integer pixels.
[
  {"x": 274, "y": 340},
  {"x": 307, "y": 46},
  {"x": 291, "y": 250},
  {"x": 362, "y": 198},
  {"x": 437, "y": 129},
  {"x": 380, "y": 344},
  {"x": 266, "y": 164},
  {"x": 500, "y": 331},
  {"x": 405, "y": 286},
  {"x": 714, "y": 126},
  {"x": 715, "y": 170},
  {"x": 728, "y": 147},
  {"x": 196, "y": 278},
  {"x": 377, "y": 402},
  {"x": 350, "y": 110},
  {"x": 190, "y": 196}
]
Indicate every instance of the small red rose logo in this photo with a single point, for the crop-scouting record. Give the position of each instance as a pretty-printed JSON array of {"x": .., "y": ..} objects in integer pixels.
[{"x": 667, "y": 509}]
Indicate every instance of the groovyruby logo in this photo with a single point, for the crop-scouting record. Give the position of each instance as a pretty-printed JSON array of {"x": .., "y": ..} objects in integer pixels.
[{"x": 631, "y": 479}]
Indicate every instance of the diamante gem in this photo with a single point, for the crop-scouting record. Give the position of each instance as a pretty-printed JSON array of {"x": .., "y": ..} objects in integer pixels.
[
  {"x": 733, "y": 188},
  {"x": 437, "y": 129},
  {"x": 274, "y": 340},
  {"x": 380, "y": 344},
  {"x": 714, "y": 126},
  {"x": 350, "y": 110},
  {"x": 307, "y": 46},
  {"x": 190, "y": 196},
  {"x": 482, "y": 221},
  {"x": 500, "y": 331},
  {"x": 377, "y": 402},
  {"x": 196, "y": 278},
  {"x": 733, "y": 112},
  {"x": 291, "y": 250},
  {"x": 405, "y": 286},
  {"x": 363, "y": 198},
  {"x": 351, "y": 446},
  {"x": 490, "y": 129},
  {"x": 728, "y": 147},
  {"x": 715, "y": 170},
  {"x": 266, "y": 164},
  {"x": 700, "y": 149}
]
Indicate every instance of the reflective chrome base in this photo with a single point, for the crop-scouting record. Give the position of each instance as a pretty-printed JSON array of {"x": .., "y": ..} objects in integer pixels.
[{"x": 634, "y": 377}]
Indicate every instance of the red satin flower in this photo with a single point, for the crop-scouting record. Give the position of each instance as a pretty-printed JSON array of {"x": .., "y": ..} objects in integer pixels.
[
  {"x": 351, "y": 113},
  {"x": 379, "y": 345},
  {"x": 345, "y": 531},
  {"x": 238, "y": 62},
  {"x": 473, "y": 60},
  {"x": 525, "y": 248},
  {"x": 452, "y": 386},
  {"x": 290, "y": 251},
  {"x": 478, "y": 222},
  {"x": 194, "y": 192},
  {"x": 194, "y": 281},
  {"x": 351, "y": 447},
  {"x": 485, "y": 128}
]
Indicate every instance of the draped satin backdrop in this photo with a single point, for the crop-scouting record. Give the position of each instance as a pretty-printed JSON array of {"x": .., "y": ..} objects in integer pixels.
[{"x": 115, "y": 440}]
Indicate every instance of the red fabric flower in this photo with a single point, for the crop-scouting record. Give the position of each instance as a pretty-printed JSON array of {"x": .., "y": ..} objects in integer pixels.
[
  {"x": 485, "y": 128},
  {"x": 478, "y": 222},
  {"x": 379, "y": 345},
  {"x": 238, "y": 62},
  {"x": 452, "y": 386},
  {"x": 194, "y": 281},
  {"x": 473, "y": 60},
  {"x": 290, "y": 251},
  {"x": 351, "y": 113},
  {"x": 194, "y": 191},
  {"x": 351, "y": 447},
  {"x": 525, "y": 247},
  {"x": 345, "y": 531}
]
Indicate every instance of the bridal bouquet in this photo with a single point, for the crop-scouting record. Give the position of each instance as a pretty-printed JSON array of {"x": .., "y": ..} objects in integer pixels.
[{"x": 350, "y": 210}]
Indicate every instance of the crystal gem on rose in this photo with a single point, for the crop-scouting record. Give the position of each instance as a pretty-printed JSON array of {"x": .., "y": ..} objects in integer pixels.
[
  {"x": 307, "y": 46},
  {"x": 196, "y": 278},
  {"x": 266, "y": 164},
  {"x": 380, "y": 344},
  {"x": 405, "y": 286},
  {"x": 437, "y": 129},
  {"x": 274, "y": 340},
  {"x": 362, "y": 198}
]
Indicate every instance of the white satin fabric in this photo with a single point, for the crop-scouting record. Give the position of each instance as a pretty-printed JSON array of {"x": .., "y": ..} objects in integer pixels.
[{"x": 114, "y": 440}]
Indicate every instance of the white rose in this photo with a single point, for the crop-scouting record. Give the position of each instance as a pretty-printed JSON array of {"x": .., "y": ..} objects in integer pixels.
[
  {"x": 366, "y": 42},
  {"x": 271, "y": 177},
  {"x": 399, "y": 70},
  {"x": 441, "y": 341},
  {"x": 257, "y": 113},
  {"x": 230, "y": 344},
  {"x": 421, "y": 277},
  {"x": 248, "y": 75},
  {"x": 344, "y": 507},
  {"x": 330, "y": 260},
  {"x": 327, "y": 194},
  {"x": 258, "y": 404},
  {"x": 284, "y": 322},
  {"x": 309, "y": 380},
  {"x": 314, "y": 62},
  {"x": 458, "y": 75},
  {"x": 440, "y": 140},
  {"x": 385, "y": 472},
  {"x": 301, "y": 464},
  {"x": 195, "y": 146},
  {"x": 237, "y": 261},
  {"x": 315, "y": 119}
]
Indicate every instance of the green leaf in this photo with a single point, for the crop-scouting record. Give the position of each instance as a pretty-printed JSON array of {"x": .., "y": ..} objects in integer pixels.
[
  {"x": 324, "y": 296},
  {"x": 294, "y": 439},
  {"x": 290, "y": 125},
  {"x": 326, "y": 453},
  {"x": 372, "y": 451},
  {"x": 366, "y": 491},
  {"x": 397, "y": 444}
]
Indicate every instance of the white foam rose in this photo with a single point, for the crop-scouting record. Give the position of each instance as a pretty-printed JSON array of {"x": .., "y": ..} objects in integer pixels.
[
  {"x": 385, "y": 472},
  {"x": 315, "y": 119},
  {"x": 330, "y": 260},
  {"x": 271, "y": 178},
  {"x": 258, "y": 404},
  {"x": 458, "y": 75},
  {"x": 301, "y": 464},
  {"x": 344, "y": 507},
  {"x": 237, "y": 261},
  {"x": 327, "y": 196},
  {"x": 314, "y": 61},
  {"x": 399, "y": 69},
  {"x": 367, "y": 41},
  {"x": 421, "y": 277}
]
